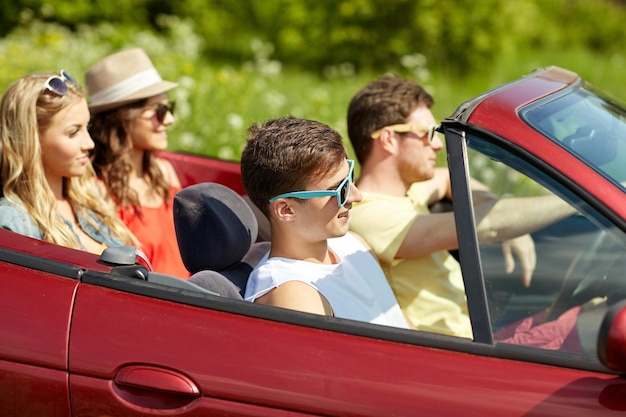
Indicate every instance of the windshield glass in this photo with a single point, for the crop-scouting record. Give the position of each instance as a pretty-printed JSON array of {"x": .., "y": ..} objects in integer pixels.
[{"x": 587, "y": 124}]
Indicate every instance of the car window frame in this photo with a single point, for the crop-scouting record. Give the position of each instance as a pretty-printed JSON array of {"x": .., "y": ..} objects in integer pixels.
[{"x": 457, "y": 135}]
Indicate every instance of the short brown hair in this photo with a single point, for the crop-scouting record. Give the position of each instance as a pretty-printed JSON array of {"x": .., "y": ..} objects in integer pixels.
[
  {"x": 386, "y": 101},
  {"x": 286, "y": 154}
]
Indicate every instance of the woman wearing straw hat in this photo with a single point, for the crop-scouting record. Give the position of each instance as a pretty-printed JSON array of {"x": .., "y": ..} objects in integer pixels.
[{"x": 130, "y": 114}]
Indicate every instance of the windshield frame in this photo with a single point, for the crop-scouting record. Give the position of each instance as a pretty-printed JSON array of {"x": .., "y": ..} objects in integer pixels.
[{"x": 588, "y": 124}]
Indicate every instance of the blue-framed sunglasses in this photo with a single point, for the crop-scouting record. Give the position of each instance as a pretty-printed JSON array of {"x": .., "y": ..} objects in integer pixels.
[
  {"x": 342, "y": 192},
  {"x": 56, "y": 84}
]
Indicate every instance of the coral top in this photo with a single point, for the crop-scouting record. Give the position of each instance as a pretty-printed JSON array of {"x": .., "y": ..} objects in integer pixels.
[{"x": 155, "y": 230}]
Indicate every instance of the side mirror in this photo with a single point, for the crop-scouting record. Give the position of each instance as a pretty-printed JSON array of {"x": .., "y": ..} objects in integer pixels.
[{"x": 612, "y": 338}]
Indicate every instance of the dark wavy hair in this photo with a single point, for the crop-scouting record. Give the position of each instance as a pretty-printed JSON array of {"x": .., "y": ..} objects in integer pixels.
[{"x": 111, "y": 157}]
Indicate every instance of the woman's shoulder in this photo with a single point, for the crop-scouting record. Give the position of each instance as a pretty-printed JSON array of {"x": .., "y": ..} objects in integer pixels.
[
  {"x": 15, "y": 217},
  {"x": 8, "y": 206},
  {"x": 170, "y": 173}
]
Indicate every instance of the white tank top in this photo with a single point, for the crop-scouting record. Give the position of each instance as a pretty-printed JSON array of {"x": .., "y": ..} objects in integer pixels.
[{"x": 355, "y": 287}]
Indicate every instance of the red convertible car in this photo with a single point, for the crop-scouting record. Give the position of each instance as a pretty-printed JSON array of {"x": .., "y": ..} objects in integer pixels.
[{"x": 83, "y": 335}]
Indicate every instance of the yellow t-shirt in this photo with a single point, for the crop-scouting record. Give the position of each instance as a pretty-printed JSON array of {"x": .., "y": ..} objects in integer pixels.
[{"x": 429, "y": 289}]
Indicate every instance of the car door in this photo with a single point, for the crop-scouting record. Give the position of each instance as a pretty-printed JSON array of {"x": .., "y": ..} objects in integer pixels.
[
  {"x": 141, "y": 349},
  {"x": 36, "y": 297}
]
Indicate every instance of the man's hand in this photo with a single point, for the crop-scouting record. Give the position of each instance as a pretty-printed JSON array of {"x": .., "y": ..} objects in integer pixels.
[{"x": 524, "y": 248}]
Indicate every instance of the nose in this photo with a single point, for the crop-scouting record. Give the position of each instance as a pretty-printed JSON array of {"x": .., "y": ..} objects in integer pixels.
[
  {"x": 87, "y": 143},
  {"x": 437, "y": 142},
  {"x": 355, "y": 194},
  {"x": 169, "y": 118}
]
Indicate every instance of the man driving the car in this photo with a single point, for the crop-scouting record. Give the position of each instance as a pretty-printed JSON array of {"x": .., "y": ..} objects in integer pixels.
[{"x": 391, "y": 128}]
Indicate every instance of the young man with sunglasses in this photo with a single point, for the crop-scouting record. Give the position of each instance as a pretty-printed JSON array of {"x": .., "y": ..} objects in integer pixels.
[
  {"x": 297, "y": 173},
  {"x": 391, "y": 129}
]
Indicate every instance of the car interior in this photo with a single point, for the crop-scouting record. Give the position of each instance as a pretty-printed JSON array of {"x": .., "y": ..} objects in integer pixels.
[{"x": 219, "y": 265}]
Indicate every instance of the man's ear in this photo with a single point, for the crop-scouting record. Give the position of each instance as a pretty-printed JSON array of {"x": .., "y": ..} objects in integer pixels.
[
  {"x": 282, "y": 210},
  {"x": 388, "y": 141}
]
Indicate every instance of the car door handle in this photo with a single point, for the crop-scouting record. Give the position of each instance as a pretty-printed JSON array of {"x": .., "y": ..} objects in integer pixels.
[{"x": 156, "y": 379}]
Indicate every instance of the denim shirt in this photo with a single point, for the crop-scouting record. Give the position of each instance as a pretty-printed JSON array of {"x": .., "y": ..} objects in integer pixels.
[{"x": 17, "y": 219}]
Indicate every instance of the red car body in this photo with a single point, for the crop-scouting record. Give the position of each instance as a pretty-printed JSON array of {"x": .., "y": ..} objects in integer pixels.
[{"x": 79, "y": 340}]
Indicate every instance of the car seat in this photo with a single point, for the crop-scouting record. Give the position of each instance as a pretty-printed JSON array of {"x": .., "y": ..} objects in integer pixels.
[
  {"x": 596, "y": 144},
  {"x": 131, "y": 262},
  {"x": 217, "y": 237}
]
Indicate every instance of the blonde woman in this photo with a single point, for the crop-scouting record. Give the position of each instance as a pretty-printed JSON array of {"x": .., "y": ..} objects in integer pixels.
[
  {"x": 130, "y": 115},
  {"x": 48, "y": 184}
]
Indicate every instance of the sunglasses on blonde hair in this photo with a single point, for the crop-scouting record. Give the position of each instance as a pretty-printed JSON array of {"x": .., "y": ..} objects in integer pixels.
[{"x": 57, "y": 83}]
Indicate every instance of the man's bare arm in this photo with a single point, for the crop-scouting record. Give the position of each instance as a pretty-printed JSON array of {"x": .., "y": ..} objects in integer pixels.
[
  {"x": 297, "y": 295},
  {"x": 512, "y": 217},
  {"x": 498, "y": 221}
]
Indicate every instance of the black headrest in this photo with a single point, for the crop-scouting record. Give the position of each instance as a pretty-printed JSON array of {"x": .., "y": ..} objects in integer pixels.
[{"x": 215, "y": 227}]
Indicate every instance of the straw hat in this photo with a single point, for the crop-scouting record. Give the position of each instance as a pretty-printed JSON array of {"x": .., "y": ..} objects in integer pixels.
[{"x": 122, "y": 78}]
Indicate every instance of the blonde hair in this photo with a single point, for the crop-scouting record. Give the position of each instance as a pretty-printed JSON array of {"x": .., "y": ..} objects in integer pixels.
[{"x": 26, "y": 110}]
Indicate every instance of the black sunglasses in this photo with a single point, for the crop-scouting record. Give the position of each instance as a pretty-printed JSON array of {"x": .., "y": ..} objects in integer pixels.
[
  {"x": 57, "y": 83},
  {"x": 161, "y": 110}
]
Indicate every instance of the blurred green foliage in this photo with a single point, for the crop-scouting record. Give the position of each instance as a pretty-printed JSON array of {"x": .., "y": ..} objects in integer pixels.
[
  {"x": 240, "y": 62},
  {"x": 366, "y": 34}
]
